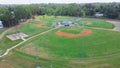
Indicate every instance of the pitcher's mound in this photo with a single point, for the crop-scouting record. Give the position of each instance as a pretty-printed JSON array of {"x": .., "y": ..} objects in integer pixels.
[
  {"x": 83, "y": 33},
  {"x": 89, "y": 23}
]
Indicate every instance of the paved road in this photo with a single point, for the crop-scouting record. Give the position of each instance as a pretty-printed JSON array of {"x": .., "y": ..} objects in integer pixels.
[{"x": 117, "y": 25}]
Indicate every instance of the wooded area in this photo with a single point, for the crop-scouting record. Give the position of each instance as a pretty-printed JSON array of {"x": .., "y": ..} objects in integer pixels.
[{"x": 12, "y": 14}]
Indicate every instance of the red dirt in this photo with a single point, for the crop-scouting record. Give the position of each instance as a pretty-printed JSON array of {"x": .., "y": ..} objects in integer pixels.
[
  {"x": 83, "y": 33},
  {"x": 89, "y": 23},
  {"x": 41, "y": 26}
]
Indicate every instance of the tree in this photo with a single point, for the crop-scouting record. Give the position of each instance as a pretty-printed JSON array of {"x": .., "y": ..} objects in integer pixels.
[{"x": 111, "y": 12}]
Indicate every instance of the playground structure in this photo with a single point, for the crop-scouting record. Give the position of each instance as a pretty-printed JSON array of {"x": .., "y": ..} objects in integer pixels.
[{"x": 17, "y": 36}]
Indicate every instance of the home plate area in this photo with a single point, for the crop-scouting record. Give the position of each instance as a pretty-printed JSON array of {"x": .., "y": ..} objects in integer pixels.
[{"x": 83, "y": 33}]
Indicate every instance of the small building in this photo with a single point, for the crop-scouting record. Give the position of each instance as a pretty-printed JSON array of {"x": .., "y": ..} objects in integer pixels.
[
  {"x": 65, "y": 23},
  {"x": 56, "y": 24},
  {"x": 98, "y": 14},
  {"x": 1, "y": 24},
  {"x": 73, "y": 23}
]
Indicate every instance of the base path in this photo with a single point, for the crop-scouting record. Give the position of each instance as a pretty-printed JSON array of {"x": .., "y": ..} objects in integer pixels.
[
  {"x": 8, "y": 50},
  {"x": 41, "y": 26},
  {"x": 83, "y": 33}
]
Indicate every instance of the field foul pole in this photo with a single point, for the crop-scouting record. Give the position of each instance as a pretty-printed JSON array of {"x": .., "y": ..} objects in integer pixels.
[{"x": 10, "y": 49}]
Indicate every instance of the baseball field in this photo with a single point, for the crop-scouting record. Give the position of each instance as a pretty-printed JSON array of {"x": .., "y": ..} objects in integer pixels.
[{"x": 92, "y": 44}]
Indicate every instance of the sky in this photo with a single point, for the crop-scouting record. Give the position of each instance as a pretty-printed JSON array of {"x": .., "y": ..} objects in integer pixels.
[{"x": 53, "y": 1}]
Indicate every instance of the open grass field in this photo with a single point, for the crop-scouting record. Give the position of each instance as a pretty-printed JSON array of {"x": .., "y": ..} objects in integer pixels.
[
  {"x": 22, "y": 60},
  {"x": 99, "y": 49}
]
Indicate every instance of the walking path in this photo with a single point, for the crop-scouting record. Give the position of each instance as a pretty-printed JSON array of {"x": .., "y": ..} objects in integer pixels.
[
  {"x": 8, "y": 50},
  {"x": 2, "y": 34}
]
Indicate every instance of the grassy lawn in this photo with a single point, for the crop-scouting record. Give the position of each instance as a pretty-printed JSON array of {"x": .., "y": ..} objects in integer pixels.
[
  {"x": 1, "y": 30},
  {"x": 6, "y": 43},
  {"x": 22, "y": 60},
  {"x": 96, "y": 23},
  {"x": 98, "y": 44}
]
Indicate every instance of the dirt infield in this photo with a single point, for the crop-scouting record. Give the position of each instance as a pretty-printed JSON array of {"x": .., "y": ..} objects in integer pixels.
[
  {"x": 69, "y": 27},
  {"x": 83, "y": 33},
  {"x": 41, "y": 26}
]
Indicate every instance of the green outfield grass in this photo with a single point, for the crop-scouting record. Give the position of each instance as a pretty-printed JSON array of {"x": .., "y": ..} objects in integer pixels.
[
  {"x": 31, "y": 61},
  {"x": 98, "y": 44}
]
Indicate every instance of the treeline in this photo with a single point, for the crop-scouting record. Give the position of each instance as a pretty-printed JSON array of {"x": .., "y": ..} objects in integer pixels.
[{"x": 13, "y": 14}]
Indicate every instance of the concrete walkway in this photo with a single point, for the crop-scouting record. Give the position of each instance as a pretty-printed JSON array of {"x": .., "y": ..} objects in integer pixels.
[{"x": 8, "y": 50}]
